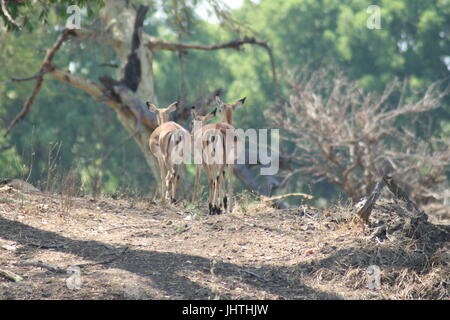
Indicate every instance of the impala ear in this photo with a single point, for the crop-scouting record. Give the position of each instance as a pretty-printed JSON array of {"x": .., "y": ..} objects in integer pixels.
[
  {"x": 151, "y": 107},
  {"x": 239, "y": 104},
  {"x": 219, "y": 102},
  {"x": 211, "y": 115},
  {"x": 172, "y": 107}
]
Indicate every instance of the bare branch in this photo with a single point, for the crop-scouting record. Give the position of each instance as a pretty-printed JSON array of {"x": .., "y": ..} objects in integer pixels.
[
  {"x": 8, "y": 16},
  {"x": 39, "y": 76},
  {"x": 159, "y": 44},
  {"x": 26, "y": 106},
  {"x": 20, "y": 79}
]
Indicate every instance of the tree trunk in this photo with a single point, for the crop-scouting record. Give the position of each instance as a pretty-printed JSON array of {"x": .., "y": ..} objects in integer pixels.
[{"x": 119, "y": 21}]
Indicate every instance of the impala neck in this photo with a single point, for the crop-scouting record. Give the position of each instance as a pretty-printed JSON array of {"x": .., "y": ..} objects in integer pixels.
[
  {"x": 163, "y": 118},
  {"x": 227, "y": 116}
]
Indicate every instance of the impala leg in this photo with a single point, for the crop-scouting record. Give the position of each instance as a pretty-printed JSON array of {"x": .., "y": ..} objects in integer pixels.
[
  {"x": 223, "y": 195},
  {"x": 163, "y": 178},
  {"x": 210, "y": 176},
  {"x": 196, "y": 183},
  {"x": 168, "y": 183},
  {"x": 212, "y": 208},
  {"x": 175, "y": 182},
  {"x": 214, "y": 193},
  {"x": 217, "y": 194},
  {"x": 171, "y": 179},
  {"x": 221, "y": 201},
  {"x": 230, "y": 186}
]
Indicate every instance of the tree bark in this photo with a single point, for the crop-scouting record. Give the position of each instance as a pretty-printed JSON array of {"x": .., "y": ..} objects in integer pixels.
[{"x": 366, "y": 210}]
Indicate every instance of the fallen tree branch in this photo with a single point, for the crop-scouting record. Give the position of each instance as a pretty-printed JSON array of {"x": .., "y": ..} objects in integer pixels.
[
  {"x": 284, "y": 196},
  {"x": 40, "y": 264},
  {"x": 10, "y": 275},
  {"x": 365, "y": 211}
]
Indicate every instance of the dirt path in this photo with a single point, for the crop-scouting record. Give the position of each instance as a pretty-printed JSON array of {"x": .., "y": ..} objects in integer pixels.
[{"x": 129, "y": 249}]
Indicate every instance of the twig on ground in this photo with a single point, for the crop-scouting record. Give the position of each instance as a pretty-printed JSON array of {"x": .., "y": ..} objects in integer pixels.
[
  {"x": 40, "y": 264},
  {"x": 253, "y": 274},
  {"x": 104, "y": 261},
  {"x": 284, "y": 196},
  {"x": 46, "y": 246}
]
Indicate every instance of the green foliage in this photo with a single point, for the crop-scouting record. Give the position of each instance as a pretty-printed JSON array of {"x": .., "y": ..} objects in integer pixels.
[
  {"x": 32, "y": 15},
  {"x": 84, "y": 130}
]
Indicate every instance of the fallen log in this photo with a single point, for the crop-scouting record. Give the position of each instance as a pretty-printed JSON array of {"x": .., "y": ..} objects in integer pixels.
[
  {"x": 284, "y": 196},
  {"x": 10, "y": 275}
]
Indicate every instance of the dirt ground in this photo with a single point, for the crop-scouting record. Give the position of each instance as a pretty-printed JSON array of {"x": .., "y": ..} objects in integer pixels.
[{"x": 139, "y": 249}]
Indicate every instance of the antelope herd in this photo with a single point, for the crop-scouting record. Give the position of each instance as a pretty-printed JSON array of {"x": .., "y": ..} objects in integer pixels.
[{"x": 215, "y": 147}]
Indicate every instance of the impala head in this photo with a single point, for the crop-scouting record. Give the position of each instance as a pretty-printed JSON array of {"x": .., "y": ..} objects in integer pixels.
[
  {"x": 227, "y": 109},
  {"x": 162, "y": 115},
  {"x": 202, "y": 119}
]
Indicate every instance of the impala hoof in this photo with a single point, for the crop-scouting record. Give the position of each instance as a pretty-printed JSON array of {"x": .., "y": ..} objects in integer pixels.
[
  {"x": 225, "y": 203},
  {"x": 217, "y": 210},
  {"x": 210, "y": 212}
]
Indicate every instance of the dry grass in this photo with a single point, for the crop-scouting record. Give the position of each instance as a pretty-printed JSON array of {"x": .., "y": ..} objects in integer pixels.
[{"x": 141, "y": 249}]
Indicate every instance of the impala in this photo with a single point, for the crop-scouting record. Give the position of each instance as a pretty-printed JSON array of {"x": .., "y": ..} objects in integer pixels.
[
  {"x": 169, "y": 142},
  {"x": 198, "y": 122},
  {"x": 220, "y": 147},
  {"x": 235, "y": 145}
]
